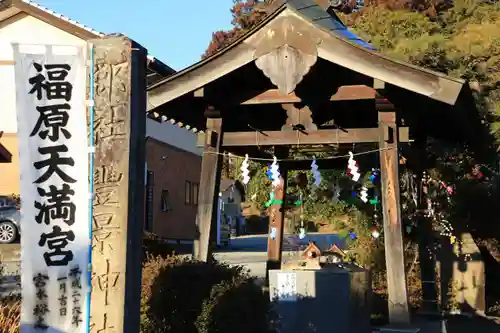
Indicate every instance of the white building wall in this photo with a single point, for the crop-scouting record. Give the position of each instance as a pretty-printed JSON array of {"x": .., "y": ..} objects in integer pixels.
[
  {"x": 30, "y": 30},
  {"x": 173, "y": 135},
  {"x": 27, "y": 30}
]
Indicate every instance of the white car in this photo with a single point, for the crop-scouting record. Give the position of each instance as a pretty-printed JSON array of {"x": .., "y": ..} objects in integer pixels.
[{"x": 10, "y": 219}]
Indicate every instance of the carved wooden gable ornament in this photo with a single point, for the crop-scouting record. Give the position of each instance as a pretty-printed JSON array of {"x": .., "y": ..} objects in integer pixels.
[{"x": 285, "y": 52}]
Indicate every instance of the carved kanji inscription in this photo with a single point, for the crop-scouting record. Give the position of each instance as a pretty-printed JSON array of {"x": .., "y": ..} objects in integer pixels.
[{"x": 112, "y": 137}]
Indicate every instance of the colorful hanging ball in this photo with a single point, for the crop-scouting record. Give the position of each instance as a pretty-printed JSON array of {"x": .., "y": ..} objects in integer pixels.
[
  {"x": 449, "y": 190},
  {"x": 269, "y": 173},
  {"x": 453, "y": 239},
  {"x": 302, "y": 233},
  {"x": 375, "y": 177},
  {"x": 352, "y": 234}
]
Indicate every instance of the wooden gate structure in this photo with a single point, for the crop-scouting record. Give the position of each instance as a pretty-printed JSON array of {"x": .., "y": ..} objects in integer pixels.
[{"x": 301, "y": 79}]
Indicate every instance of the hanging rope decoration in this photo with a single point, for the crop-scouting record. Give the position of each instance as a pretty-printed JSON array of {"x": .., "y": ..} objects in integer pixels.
[
  {"x": 352, "y": 234},
  {"x": 364, "y": 194},
  {"x": 272, "y": 200},
  {"x": 375, "y": 232},
  {"x": 375, "y": 180},
  {"x": 273, "y": 233},
  {"x": 302, "y": 233},
  {"x": 445, "y": 227},
  {"x": 315, "y": 172},
  {"x": 245, "y": 173},
  {"x": 375, "y": 199},
  {"x": 352, "y": 168},
  {"x": 302, "y": 230},
  {"x": 447, "y": 231},
  {"x": 275, "y": 172},
  {"x": 336, "y": 157}
]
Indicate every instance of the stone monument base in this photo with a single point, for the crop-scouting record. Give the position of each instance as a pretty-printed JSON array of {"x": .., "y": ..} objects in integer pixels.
[{"x": 331, "y": 299}]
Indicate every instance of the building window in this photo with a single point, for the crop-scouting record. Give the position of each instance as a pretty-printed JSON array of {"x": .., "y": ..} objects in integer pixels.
[
  {"x": 196, "y": 188},
  {"x": 191, "y": 193},
  {"x": 149, "y": 200},
  {"x": 187, "y": 194},
  {"x": 165, "y": 205}
]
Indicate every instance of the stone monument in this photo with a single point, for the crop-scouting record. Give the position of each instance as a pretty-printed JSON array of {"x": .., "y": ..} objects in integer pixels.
[
  {"x": 335, "y": 298},
  {"x": 118, "y": 201}
]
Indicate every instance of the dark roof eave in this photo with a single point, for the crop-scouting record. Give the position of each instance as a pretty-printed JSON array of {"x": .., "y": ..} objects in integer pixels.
[{"x": 160, "y": 67}]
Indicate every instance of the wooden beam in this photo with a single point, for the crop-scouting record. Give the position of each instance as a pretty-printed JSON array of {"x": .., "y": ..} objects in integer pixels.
[
  {"x": 208, "y": 195},
  {"x": 276, "y": 226},
  {"x": 199, "y": 92},
  {"x": 344, "y": 93},
  {"x": 378, "y": 84},
  {"x": 393, "y": 239},
  {"x": 277, "y": 138}
]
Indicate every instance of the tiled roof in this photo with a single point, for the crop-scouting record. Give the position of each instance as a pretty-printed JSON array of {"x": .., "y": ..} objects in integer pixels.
[
  {"x": 327, "y": 21},
  {"x": 156, "y": 71},
  {"x": 62, "y": 17}
]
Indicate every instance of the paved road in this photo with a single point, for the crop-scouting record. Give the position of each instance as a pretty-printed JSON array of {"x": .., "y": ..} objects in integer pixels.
[{"x": 249, "y": 251}]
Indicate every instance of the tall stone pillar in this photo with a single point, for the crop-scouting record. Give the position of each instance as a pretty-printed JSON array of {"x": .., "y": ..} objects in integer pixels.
[{"x": 118, "y": 204}]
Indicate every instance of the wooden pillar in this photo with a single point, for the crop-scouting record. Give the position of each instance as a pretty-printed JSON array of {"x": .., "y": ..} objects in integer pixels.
[
  {"x": 118, "y": 202},
  {"x": 393, "y": 237},
  {"x": 208, "y": 196},
  {"x": 276, "y": 225}
]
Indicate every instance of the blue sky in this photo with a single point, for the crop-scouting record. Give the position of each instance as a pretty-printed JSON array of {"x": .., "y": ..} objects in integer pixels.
[{"x": 175, "y": 31}]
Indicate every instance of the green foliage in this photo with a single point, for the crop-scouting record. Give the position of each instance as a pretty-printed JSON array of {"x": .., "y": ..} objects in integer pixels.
[
  {"x": 463, "y": 41},
  {"x": 364, "y": 249},
  {"x": 10, "y": 310},
  {"x": 236, "y": 306},
  {"x": 180, "y": 294},
  {"x": 259, "y": 186},
  {"x": 325, "y": 211}
]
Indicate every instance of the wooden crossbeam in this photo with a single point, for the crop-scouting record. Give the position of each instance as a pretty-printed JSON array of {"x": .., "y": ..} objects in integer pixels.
[
  {"x": 345, "y": 93},
  {"x": 282, "y": 138},
  {"x": 273, "y": 96}
]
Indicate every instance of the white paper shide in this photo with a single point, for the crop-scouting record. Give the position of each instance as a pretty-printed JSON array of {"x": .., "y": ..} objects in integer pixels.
[{"x": 52, "y": 132}]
